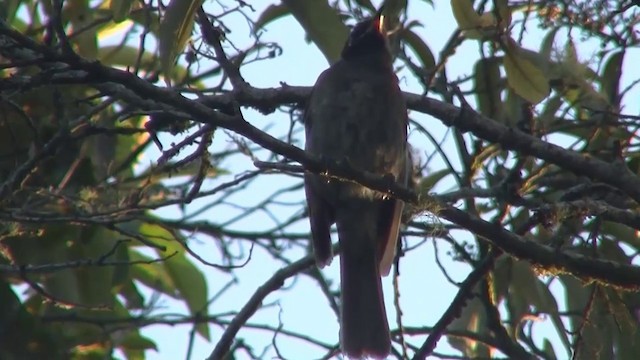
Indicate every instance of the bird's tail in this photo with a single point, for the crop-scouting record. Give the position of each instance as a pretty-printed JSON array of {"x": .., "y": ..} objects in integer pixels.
[{"x": 364, "y": 330}]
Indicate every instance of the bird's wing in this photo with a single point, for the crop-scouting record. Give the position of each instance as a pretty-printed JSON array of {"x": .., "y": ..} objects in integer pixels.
[
  {"x": 321, "y": 216},
  {"x": 390, "y": 243},
  {"x": 395, "y": 218}
]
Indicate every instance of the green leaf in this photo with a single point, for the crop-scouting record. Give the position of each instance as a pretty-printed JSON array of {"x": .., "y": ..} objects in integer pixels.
[
  {"x": 628, "y": 337},
  {"x": 473, "y": 319},
  {"x": 548, "y": 116},
  {"x": 420, "y": 48},
  {"x": 504, "y": 13},
  {"x": 621, "y": 233},
  {"x": 500, "y": 278},
  {"x": 187, "y": 278},
  {"x": 610, "y": 81},
  {"x": 81, "y": 16},
  {"x": 598, "y": 331},
  {"x": 191, "y": 284},
  {"x": 94, "y": 283},
  {"x": 175, "y": 31},
  {"x": 27, "y": 338},
  {"x": 546, "y": 47},
  {"x": 117, "y": 55},
  {"x": 367, "y": 4},
  {"x": 271, "y": 13},
  {"x": 428, "y": 182},
  {"x": 120, "y": 9},
  {"x": 121, "y": 274},
  {"x": 133, "y": 297},
  {"x": 153, "y": 275},
  {"x": 148, "y": 18},
  {"x": 577, "y": 297},
  {"x": 322, "y": 24},
  {"x": 135, "y": 341},
  {"x": 465, "y": 15},
  {"x": 8, "y": 10},
  {"x": 547, "y": 348},
  {"x": 392, "y": 8},
  {"x": 488, "y": 88},
  {"x": 526, "y": 79}
]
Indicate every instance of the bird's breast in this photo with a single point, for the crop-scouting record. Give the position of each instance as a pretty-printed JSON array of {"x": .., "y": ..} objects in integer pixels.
[{"x": 361, "y": 120}]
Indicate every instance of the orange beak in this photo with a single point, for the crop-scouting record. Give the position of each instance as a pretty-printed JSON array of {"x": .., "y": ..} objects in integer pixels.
[{"x": 380, "y": 24}]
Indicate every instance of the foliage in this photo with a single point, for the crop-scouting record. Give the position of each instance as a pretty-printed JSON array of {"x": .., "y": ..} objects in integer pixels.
[{"x": 535, "y": 183}]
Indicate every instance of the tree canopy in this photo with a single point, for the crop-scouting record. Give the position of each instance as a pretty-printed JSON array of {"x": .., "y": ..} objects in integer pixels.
[{"x": 121, "y": 160}]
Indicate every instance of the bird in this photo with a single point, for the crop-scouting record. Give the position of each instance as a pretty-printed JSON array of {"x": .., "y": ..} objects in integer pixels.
[{"x": 356, "y": 113}]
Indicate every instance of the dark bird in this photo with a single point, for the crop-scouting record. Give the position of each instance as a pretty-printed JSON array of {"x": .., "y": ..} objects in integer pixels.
[{"x": 357, "y": 114}]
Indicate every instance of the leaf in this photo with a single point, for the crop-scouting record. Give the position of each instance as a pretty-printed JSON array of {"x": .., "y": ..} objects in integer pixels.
[
  {"x": 392, "y": 8},
  {"x": 610, "y": 80},
  {"x": 628, "y": 340},
  {"x": 486, "y": 153},
  {"x": 546, "y": 47},
  {"x": 570, "y": 53},
  {"x": 187, "y": 278},
  {"x": 577, "y": 297},
  {"x": 135, "y": 341},
  {"x": 428, "y": 182},
  {"x": 94, "y": 283},
  {"x": 526, "y": 79},
  {"x": 127, "y": 56},
  {"x": 132, "y": 296},
  {"x": 598, "y": 331},
  {"x": 504, "y": 13},
  {"x": 488, "y": 88},
  {"x": 547, "y": 348},
  {"x": 420, "y": 48},
  {"x": 192, "y": 286},
  {"x": 548, "y": 115},
  {"x": 120, "y": 9},
  {"x": 84, "y": 31},
  {"x": 622, "y": 233},
  {"x": 465, "y": 15},
  {"x": 27, "y": 338},
  {"x": 121, "y": 274},
  {"x": 175, "y": 31},
  {"x": 322, "y": 24},
  {"x": 148, "y": 19},
  {"x": 500, "y": 278},
  {"x": 366, "y": 4},
  {"x": 271, "y": 13},
  {"x": 547, "y": 302},
  {"x": 153, "y": 275},
  {"x": 8, "y": 10},
  {"x": 472, "y": 319}
]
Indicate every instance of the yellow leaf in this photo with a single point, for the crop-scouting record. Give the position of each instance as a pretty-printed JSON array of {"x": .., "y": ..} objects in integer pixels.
[
  {"x": 466, "y": 16},
  {"x": 175, "y": 31},
  {"x": 526, "y": 79},
  {"x": 120, "y": 9}
]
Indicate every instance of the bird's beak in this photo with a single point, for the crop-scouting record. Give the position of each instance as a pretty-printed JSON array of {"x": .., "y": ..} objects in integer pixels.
[{"x": 380, "y": 24}]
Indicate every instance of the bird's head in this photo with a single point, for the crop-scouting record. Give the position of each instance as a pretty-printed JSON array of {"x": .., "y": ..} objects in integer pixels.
[{"x": 368, "y": 38}]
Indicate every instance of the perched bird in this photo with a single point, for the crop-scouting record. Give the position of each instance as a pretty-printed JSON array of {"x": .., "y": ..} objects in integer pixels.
[{"x": 356, "y": 113}]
